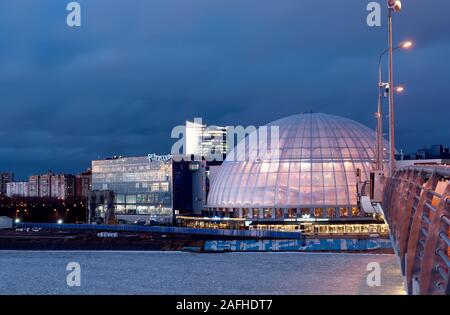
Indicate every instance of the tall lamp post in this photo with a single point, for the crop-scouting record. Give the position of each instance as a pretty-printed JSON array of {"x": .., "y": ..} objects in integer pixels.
[
  {"x": 382, "y": 85},
  {"x": 393, "y": 6}
]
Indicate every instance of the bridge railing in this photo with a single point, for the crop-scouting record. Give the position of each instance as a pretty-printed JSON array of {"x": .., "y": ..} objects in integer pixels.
[{"x": 417, "y": 206}]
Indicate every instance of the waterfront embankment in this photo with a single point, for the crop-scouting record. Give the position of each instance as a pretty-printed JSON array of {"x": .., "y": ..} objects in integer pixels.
[{"x": 78, "y": 239}]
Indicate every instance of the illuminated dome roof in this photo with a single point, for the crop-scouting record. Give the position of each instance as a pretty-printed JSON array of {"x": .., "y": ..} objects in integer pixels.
[{"x": 319, "y": 156}]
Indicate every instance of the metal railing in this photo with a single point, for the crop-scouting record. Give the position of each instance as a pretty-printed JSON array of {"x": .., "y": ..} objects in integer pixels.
[{"x": 417, "y": 208}]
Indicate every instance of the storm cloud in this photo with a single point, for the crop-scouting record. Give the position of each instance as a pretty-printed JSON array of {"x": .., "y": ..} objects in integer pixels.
[{"x": 137, "y": 68}]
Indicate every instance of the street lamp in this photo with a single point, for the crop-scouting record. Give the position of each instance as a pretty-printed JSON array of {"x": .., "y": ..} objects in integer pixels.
[
  {"x": 399, "y": 89},
  {"x": 393, "y": 6},
  {"x": 406, "y": 44},
  {"x": 382, "y": 85}
]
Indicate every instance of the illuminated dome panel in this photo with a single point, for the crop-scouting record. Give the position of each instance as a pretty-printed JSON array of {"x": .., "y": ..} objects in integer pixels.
[{"x": 319, "y": 158}]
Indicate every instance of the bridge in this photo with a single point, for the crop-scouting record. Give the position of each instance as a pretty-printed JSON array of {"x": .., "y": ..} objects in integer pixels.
[{"x": 416, "y": 207}]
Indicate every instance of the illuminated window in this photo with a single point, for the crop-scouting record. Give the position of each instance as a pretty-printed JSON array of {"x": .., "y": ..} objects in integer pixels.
[
  {"x": 292, "y": 213},
  {"x": 355, "y": 212},
  {"x": 154, "y": 187},
  {"x": 318, "y": 212},
  {"x": 120, "y": 198},
  {"x": 279, "y": 213},
  {"x": 331, "y": 212},
  {"x": 164, "y": 186},
  {"x": 344, "y": 212},
  {"x": 305, "y": 212}
]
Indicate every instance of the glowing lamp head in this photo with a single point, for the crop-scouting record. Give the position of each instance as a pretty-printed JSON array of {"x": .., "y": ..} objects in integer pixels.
[
  {"x": 399, "y": 89},
  {"x": 60, "y": 221},
  {"x": 395, "y": 5},
  {"x": 406, "y": 45}
]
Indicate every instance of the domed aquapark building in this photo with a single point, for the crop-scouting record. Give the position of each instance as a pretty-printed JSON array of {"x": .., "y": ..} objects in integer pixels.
[{"x": 321, "y": 159}]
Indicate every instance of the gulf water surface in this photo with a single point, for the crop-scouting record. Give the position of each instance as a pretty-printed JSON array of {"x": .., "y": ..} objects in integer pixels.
[{"x": 114, "y": 272}]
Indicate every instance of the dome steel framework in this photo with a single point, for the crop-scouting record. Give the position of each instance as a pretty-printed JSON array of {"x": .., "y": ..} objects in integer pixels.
[{"x": 315, "y": 174}]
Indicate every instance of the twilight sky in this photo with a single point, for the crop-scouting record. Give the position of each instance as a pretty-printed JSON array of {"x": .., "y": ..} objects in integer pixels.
[{"x": 137, "y": 68}]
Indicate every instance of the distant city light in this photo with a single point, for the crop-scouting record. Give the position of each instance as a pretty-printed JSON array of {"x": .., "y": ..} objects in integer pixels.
[
  {"x": 17, "y": 220},
  {"x": 60, "y": 221}
]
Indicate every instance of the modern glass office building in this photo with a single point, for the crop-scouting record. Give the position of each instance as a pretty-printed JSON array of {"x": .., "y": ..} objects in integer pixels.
[
  {"x": 141, "y": 186},
  {"x": 205, "y": 141},
  {"x": 314, "y": 176},
  {"x": 146, "y": 188}
]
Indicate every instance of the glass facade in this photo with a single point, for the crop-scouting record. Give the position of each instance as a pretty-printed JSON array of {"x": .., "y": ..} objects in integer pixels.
[
  {"x": 206, "y": 141},
  {"x": 316, "y": 170},
  {"x": 140, "y": 185}
]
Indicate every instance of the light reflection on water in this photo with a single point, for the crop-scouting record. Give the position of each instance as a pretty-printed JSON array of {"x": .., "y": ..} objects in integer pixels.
[{"x": 114, "y": 272}]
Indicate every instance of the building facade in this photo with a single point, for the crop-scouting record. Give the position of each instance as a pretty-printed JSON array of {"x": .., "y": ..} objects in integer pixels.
[
  {"x": 148, "y": 187},
  {"x": 33, "y": 186},
  {"x": 141, "y": 186},
  {"x": 83, "y": 184},
  {"x": 436, "y": 151},
  {"x": 17, "y": 189},
  {"x": 189, "y": 182},
  {"x": 62, "y": 186},
  {"x": 205, "y": 141},
  {"x": 45, "y": 185},
  {"x": 49, "y": 185},
  {"x": 5, "y": 177}
]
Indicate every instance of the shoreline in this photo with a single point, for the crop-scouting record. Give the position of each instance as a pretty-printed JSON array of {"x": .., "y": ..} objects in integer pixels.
[
  {"x": 77, "y": 240},
  {"x": 186, "y": 252}
]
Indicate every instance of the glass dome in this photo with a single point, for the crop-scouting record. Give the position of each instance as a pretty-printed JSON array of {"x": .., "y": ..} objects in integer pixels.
[{"x": 317, "y": 165}]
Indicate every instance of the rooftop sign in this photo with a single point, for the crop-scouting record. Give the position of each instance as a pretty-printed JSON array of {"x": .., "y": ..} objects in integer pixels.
[{"x": 152, "y": 157}]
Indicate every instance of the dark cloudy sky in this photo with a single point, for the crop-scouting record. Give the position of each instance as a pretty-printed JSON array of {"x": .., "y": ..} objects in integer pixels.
[{"x": 137, "y": 68}]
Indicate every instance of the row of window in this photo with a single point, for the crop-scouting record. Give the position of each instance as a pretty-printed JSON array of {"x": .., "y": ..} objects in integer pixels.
[
  {"x": 152, "y": 198},
  {"x": 327, "y": 228},
  {"x": 133, "y": 209},
  {"x": 291, "y": 213},
  {"x": 130, "y": 187},
  {"x": 98, "y": 178},
  {"x": 351, "y": 229}
]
